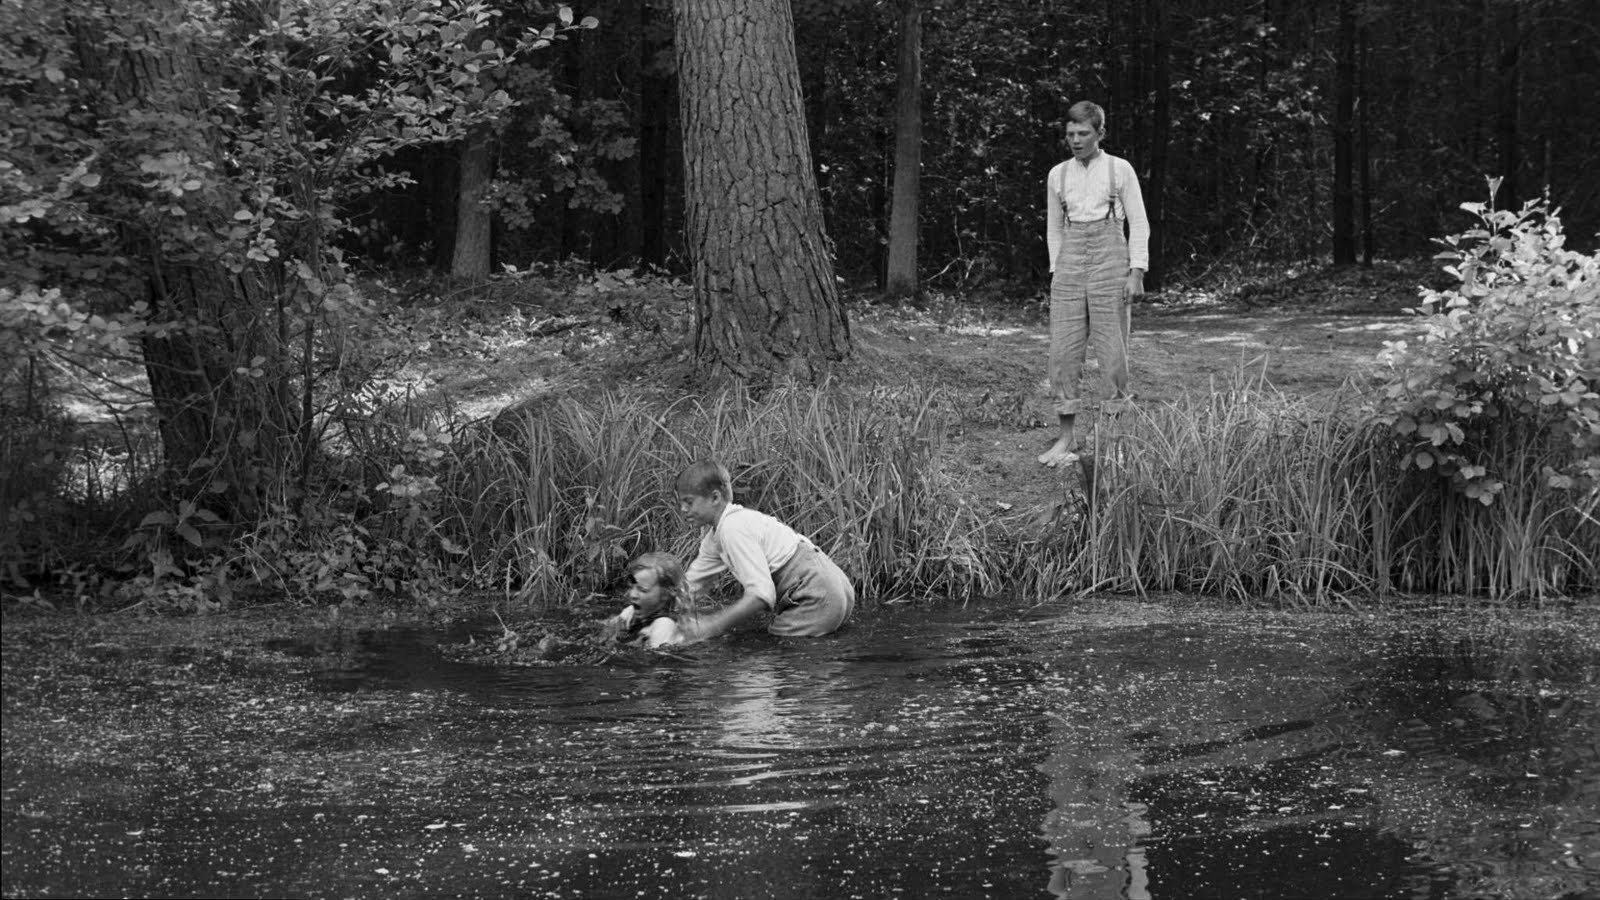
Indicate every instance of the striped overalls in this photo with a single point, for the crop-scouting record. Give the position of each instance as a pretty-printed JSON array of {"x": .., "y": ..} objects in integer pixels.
[{"x": 1088, "y": 306}]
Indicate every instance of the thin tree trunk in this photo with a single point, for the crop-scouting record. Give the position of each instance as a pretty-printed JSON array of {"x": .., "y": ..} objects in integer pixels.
[
  {"x": 766, "y": 301},
  {"x": 474, "y": 222},
  {"x": 1364, "y": 145},
  {"x": 1508, "y": 90},
  {"x": 901, "y": 278},
  {"x": 1160, "y": 139},
  {"x": 1344, "y": 92},
  {"x": 655, "y": 158}
]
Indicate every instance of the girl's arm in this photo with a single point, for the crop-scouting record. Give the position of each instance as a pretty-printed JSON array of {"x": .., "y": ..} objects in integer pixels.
[{"x": 616, "y": 626}]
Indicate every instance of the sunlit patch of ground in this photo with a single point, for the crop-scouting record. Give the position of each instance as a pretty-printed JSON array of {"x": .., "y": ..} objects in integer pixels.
[{"x": 1306, "y": 330}]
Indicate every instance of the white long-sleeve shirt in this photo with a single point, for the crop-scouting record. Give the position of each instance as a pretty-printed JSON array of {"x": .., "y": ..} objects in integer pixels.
[
  {"x": 1082, "y": 193},
  {"x": 751, "y": 545}
]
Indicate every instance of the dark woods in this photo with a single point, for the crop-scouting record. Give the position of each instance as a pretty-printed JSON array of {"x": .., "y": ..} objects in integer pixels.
[{"x": 1263, "y": 130}]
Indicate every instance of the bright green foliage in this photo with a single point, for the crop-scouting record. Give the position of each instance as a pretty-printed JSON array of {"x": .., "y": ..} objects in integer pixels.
[
  {"x": 559, "y": 145},
  {"x": 175, "y": 178},
  {"x": 1509, "y": 362},
  {"x": 244, "y": 152}
]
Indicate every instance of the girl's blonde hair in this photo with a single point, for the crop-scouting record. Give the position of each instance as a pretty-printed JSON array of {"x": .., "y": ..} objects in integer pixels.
[{"x": 669, "y": 576}]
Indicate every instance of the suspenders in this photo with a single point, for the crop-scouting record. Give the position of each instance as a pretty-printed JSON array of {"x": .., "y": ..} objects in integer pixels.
[{"x": 1111, "y": 199}]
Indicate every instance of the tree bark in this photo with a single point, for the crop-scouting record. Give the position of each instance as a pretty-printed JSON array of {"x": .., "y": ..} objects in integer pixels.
[
  {"x": 766, "y": 301},
  {"x": 1160, "y": 138},
  {"x": 474, "y": 222},
  {"x": 221, "y": 430},
  {"x": 1364, "y": 145},
  {"x": 901, "y": 278},
  {"x": 1344, "y": 92},
  {"x": 1508, "y": 90}
]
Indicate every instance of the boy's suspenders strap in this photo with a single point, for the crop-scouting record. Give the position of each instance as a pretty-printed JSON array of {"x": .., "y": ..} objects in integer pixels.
[{"x": 1111, "y": 200}]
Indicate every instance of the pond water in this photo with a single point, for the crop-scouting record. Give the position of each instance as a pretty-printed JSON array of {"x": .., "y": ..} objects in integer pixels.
[{"x": 1120, "y": 752}]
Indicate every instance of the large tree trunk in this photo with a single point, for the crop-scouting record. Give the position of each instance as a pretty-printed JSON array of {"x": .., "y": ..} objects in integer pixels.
[
  {"x": 901, "y": 279},
  {"x": 474, "y": 222},
  {"x": 1344, "y": 103},
  {"x": 765, "y": 297},
  {"x": 223, "y": 426}
]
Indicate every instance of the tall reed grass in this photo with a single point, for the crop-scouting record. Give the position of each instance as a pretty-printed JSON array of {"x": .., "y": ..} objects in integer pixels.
[
  {"x": 1244, "y": 493},
  {"x": 1239, "y": 492},
  {"x": 553, "y": 500}
]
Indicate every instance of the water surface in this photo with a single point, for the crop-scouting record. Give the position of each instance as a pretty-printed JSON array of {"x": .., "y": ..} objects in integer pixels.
[{"x": 1118, "y": 751}]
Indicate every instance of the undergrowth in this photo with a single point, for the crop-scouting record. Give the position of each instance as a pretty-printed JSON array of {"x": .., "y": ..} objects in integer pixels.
[{"x": 1472, "y": 471}]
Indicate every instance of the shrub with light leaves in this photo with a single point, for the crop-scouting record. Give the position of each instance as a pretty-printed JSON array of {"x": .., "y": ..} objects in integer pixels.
[{"x": 1508, "y": 363}]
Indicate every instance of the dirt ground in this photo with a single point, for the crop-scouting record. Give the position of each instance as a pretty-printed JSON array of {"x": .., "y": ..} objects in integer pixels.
[
  {"x": 999, "y": 367},
  {"x": 1306, "y": 332}
]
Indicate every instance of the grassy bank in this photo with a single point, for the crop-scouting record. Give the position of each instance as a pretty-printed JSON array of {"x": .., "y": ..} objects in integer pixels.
[
  {"x": 552, "y": 501},
  {"x": 503, "y": 456},
  {"x": 1249, "y": 495},
  {"x": 1240, "y": 492}
]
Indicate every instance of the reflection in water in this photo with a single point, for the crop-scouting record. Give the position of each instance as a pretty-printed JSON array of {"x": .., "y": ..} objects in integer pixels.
[{"x": 1117, "y": 753}]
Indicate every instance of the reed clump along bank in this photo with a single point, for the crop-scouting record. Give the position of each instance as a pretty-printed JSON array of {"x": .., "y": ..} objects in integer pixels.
[
  {"x": 1469, "y": 467},
  {"x": 1251, "y": 496},
  {"x": 554, "y": 500}
]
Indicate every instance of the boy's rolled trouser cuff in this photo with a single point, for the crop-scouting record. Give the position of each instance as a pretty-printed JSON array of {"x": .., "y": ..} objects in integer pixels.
[
  {"x": 1113, "y": 406},
  {"x": 1069, "y": 407}
]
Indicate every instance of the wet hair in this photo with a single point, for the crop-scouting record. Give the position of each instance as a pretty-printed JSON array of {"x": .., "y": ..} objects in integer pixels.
[
  {"x": 669, "y": 576},
  {"x": 703, "y": 477},
  {"x": 1086, "y": 112}
]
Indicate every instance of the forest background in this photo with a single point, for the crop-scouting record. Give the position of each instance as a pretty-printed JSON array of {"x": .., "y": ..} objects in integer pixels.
[
  {"x": 1233, "y": 113},
  {"x": 214, "y": 213}
]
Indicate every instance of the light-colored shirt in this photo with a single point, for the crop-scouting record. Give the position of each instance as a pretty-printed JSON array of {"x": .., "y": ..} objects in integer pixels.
[
  {"x": 751, "y": 545},
  {"x": 1082, "y": 193},
  {"x": 662, "y": 632}
]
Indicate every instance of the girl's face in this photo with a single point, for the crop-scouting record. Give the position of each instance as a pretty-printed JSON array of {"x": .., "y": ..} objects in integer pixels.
[{"x": 646, "y": 592}]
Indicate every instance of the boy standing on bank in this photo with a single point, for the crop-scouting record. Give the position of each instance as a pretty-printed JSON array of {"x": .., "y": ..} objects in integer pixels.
[
  {"x": 780, "y": 571},
  {"x": 1095, "y": 272}
]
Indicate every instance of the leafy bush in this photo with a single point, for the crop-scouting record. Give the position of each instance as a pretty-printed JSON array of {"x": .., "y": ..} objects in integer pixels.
[
  {"x": 1509, "y": 352},
  {"x": 189, "y": 221}
]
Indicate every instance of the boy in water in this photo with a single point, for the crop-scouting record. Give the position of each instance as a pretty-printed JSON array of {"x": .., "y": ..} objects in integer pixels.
[
  {"x": 1095, "y": 272},
  {"x": 780, "y": 571},
  {"x": 658, "y": 585}
]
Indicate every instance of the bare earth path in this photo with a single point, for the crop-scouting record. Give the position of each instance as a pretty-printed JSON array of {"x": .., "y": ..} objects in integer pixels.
[{"x": 996, "y": 368}]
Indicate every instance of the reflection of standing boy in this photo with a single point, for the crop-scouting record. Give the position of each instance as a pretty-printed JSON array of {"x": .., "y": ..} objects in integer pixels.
[
  {"x": 780, "y": 571},
  {"x": 1095, "y": 272}
]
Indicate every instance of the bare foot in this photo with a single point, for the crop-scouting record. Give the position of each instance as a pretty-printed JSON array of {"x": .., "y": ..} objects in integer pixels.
[{"x": 1059, "y": 454}]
